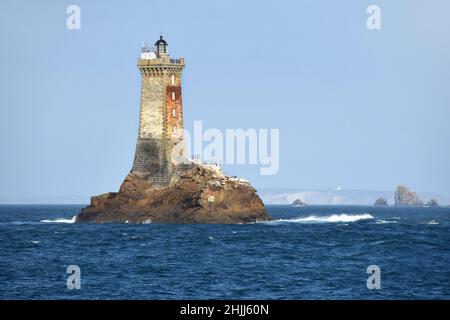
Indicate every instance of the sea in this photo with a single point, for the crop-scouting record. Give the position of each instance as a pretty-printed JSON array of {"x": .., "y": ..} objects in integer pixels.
[{"x": 311, "y": 252}]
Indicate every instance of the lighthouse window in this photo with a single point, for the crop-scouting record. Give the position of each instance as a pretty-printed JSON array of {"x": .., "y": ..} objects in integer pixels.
[
  {"x": 174, "y": 113},
  {"x": 173, "y": 80},
  {"x": 173, "y": 95}
]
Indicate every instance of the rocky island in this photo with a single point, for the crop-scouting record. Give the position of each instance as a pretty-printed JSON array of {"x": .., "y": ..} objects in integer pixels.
[
  {"x": 432, "y": 203},
  {"x": 298, "y": 203},
  {"x": 381, "y": 202},
  {"x": 201, "y": 195},
  {"x": 404, "y": 197},
  {"x": 164, "y": 185}
]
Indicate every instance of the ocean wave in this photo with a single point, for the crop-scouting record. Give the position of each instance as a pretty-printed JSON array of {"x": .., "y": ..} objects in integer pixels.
[
  {"x": 334, "y": 218},
  {"x": 18, "y": 222},
  {"x": 60, "y": 220},
  {"x": 385, "y": 221},
  {"x": 432, "y": 222}
]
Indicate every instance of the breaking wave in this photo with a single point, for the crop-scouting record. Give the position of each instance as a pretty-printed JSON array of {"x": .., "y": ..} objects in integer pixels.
[
  {"x": 334, "y": 218},
  {"x": 60, "y": 220}
]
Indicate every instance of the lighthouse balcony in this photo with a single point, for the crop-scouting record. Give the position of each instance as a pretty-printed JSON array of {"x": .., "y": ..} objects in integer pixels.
[
  {"x": 177, "y": 61},
  {"x": 159, "y": 61}
]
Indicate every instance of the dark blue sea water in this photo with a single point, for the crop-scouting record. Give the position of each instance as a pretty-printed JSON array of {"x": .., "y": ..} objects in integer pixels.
[{"x": 313, "y": 252}]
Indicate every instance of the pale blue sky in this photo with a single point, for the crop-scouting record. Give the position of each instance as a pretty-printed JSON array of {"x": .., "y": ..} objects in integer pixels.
[{"x": 356, "y": 108}]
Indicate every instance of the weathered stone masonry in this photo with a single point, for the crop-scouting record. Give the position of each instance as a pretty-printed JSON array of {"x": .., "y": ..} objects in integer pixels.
[{"x": 161, "y": 116}]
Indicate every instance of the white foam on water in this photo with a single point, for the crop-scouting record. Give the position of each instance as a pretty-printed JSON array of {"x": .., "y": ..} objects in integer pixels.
[
  {"x": 34, "y": 241},
  {"x": 148, "y": 221},
  {"x": 60, "y": 220},
  {"x": 432, "y": 222},
  {"x": 385, "y": 221},
  {"x": 334, "y": 218}
]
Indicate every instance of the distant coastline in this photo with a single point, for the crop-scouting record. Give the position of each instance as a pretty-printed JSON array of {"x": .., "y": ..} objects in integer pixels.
[{"x": 338, "y": 197}]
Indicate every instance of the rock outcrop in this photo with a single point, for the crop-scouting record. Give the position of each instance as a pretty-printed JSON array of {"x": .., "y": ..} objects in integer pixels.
[
  {"x": 432, "y": 203},
  {"x": 404, "y": 197},
  {"x": 200, "y": 195},
  {"x": 381, "y": 202},
  {"x": 298, "y": 203}
]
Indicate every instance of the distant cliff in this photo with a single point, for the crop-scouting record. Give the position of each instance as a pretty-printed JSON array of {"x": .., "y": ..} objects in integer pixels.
[
  {"x": 332, "y": 197},
  {"x": 404, "y": 197}
]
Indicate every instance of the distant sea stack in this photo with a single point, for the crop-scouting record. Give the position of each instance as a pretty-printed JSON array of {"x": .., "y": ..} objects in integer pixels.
[
  {"x": 404, "y": 197},
  {"x": 432, "y": 203},
  {"x": 298, "y": 203},
  {"x": 164, "y": 186},
  {"x": 381, "y": 202}
]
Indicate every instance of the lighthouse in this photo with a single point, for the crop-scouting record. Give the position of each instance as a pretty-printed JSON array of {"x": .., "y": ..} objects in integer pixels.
[
  {"x": 164, "y": 186},
  {"x": 160, "y": 145}
]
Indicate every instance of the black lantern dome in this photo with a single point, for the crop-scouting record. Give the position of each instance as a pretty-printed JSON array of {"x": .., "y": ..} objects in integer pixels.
[{"x": 161, "y": 45}]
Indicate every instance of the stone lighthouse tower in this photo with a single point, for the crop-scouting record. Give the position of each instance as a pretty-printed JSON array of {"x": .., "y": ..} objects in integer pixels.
[{"x": 160, "y": 145}]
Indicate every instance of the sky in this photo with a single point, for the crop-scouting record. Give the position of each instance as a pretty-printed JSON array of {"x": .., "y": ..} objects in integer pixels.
[{"x": 355, "y": 108}]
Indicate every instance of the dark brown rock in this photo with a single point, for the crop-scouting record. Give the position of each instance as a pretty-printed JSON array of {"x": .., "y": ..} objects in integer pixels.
[{"x": 201, "y": 195}]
